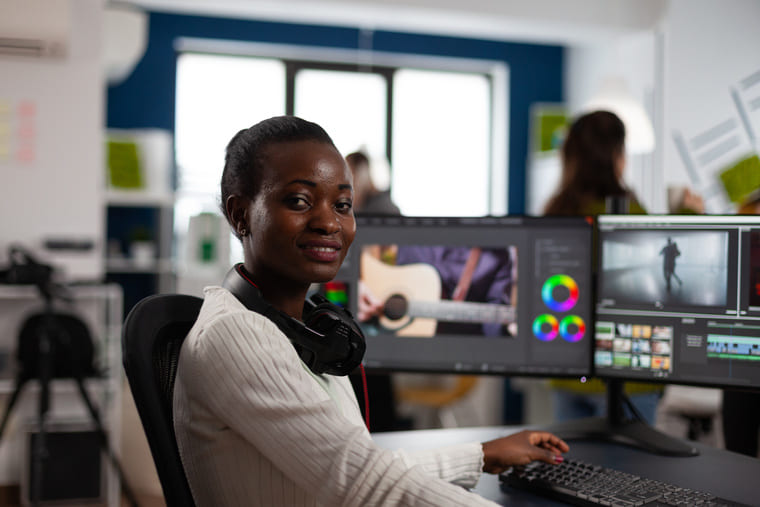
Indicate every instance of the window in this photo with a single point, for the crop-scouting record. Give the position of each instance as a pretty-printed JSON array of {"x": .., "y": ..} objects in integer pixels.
[
  {"x": 351, "y": 106},
  {"x": 216, "y": 97},
  {"x": 432, "y": 121},
  {"x": 441, "y": 155}
]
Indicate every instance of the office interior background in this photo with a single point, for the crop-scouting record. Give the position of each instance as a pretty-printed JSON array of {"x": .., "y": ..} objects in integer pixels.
[{"x": 177, "y": 78}]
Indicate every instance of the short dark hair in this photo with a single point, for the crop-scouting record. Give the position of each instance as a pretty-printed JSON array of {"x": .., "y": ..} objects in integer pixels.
[
  {"x": 357, "y": 159},
  {"x": 245, "y": 153}
]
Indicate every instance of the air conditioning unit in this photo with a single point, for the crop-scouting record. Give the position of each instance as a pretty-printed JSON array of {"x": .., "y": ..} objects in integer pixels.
[
  {"x": 31, "y": 47},
  {"x": 34, "y": 28}
]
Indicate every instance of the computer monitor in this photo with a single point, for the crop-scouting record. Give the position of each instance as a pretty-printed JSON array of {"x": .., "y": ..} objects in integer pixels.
[
  {"x": 524, "y": 307},
  {"x": 677, "y": 301}
]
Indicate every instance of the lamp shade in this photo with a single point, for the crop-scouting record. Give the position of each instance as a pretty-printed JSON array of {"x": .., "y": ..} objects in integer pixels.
[
  {"x": 614, "y": 96},
  {"x": 125, "y": 39}
]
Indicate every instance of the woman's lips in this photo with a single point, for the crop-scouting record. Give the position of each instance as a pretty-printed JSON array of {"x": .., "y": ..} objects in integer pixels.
[{"x": 322, "y": 252}]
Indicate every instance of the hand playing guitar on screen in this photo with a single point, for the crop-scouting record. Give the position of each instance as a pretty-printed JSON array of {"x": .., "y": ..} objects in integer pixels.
[
  {"x": 422, "y": 291},
  {"x": 369, "y": 305}
]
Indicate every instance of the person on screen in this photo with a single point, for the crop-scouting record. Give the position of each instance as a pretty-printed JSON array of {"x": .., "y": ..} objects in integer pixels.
[
  {"x": 467, "y": 274},
  {"x": 254, "y": 425},
  {"x": 669, "y": 253},
  {"x": 593, "y": 166},
  {"x": 489, "y": 282}
]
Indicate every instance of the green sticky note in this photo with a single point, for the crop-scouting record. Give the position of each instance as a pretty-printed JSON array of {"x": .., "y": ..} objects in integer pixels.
[
  {"x": 551, "y": 132},
  {"x": 124, "y": 165},
  {"x": 741, "y": 178}
]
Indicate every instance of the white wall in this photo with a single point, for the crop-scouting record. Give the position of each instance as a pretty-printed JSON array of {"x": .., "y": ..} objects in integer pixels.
[
  {"x": 633, "y": 59},
  {"x": 709, "y": 45},
  {"x": 57, "y": 192},
  {"x": 681, "y": 70},
  {"x": 680, "y": 66}
]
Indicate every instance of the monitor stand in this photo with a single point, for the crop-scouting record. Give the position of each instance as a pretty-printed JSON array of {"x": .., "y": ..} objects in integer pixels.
[{"x": 617, "y": 428}]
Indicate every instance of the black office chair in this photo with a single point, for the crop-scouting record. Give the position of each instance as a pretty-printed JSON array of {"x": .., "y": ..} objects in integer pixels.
[{"x": 151, "y": 339}]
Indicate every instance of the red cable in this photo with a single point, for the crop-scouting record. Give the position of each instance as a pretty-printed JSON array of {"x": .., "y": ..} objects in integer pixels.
[
  {"x": 366, "y": 396},
  {"x": 361, "y": 366},
  {"x": 239, "y": 269}
]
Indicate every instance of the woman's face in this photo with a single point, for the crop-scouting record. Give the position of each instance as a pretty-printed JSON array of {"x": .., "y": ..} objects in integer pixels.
[
  {"x": 301, "y": 222},
  {"x": 620, "y": 164}
]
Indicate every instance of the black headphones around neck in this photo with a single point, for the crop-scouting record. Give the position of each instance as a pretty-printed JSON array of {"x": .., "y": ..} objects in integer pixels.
[{"x": 328, "y": 340}]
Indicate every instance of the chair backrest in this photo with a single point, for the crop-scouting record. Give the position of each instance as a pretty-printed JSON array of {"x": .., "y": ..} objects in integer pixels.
[{"x": 151, "y": 339}]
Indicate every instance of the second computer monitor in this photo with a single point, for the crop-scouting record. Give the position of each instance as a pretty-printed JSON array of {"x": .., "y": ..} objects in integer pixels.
[
  {"x": 509, "y": 296},
  {"x": 678, "y": 299}
]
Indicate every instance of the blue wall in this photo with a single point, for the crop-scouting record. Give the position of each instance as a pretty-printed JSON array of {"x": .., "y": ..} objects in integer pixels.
[{"x": 146, "y": 98}]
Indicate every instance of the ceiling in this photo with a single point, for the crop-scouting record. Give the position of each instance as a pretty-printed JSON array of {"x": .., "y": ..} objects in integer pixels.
[{"x": 543, "y": 21}]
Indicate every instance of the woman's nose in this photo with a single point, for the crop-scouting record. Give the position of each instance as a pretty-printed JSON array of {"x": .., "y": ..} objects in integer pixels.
[{"x": 325, "y": 219}]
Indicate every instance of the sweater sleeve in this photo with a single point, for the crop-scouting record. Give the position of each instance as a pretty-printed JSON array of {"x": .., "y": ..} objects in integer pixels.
[
  {"x": 458, "y": 464},
  {"x": 249, "y": 376}
]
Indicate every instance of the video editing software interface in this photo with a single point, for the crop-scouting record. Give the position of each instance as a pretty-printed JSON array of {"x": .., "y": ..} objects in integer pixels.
[
  {"x": 509, "y": 295},
  {"x": 678, "y": 299}
]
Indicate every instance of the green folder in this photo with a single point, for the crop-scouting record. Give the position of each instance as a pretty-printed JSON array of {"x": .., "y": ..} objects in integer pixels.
[
  {"x": 741, "y": 178},
  {"x": 124, "y": 169}
]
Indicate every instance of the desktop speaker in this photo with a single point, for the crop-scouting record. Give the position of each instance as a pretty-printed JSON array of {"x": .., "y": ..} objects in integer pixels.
[{"x": 71, "y": 471}]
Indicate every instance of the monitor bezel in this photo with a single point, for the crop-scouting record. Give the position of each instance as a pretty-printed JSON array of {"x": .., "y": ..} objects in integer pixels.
[
  {"x": 583, "y": 223},
  {"x": 669, "y": 222}
]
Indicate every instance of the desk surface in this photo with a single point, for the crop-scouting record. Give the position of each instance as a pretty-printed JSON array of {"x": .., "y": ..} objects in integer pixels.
[{"x": 725, "y": 474}]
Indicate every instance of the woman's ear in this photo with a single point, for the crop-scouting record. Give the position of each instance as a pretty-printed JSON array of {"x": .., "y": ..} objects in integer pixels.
[{"x": 237, "y": 211}]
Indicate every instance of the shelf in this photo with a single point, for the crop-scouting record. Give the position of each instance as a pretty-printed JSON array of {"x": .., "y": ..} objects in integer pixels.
[
  {"x": 63, "y": 386},
  {"x": 124, "y": 265},
  {"x": 138, "y": 198}
]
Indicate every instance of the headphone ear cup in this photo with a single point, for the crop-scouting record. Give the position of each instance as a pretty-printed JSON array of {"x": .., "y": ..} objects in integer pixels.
[
  {"x": 321, "y": 309},
  {"x": 347, "y": 342},
  {"x": 328, "y": 341}
]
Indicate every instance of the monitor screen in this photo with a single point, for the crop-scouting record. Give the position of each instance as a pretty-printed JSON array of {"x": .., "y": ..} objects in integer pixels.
[
  {"x": 678, "y": 299},
  {"x": 510, "y": 296}
]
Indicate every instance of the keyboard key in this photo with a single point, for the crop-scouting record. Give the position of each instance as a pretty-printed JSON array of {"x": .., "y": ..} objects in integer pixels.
[{"x": 580, "y": 483}]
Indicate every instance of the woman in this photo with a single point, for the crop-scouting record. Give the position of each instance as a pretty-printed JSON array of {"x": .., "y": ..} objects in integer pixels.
[
  {"x": 593, "y": 162},
  {"x": 253, "y": 424},
  {"x": 368, "y": 199}
]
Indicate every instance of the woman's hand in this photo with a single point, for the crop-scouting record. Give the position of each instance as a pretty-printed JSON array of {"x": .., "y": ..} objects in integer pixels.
[{"x": 522, "y": 448}]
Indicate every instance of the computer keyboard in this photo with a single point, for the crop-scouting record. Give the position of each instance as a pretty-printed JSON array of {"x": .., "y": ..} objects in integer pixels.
[{"x": 579, "y": 483}]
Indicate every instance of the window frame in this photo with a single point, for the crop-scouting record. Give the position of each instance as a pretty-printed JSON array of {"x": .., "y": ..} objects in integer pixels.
[{"x": 385, "y": 64}]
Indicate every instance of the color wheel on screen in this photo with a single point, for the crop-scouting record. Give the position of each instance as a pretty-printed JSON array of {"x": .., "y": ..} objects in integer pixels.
[
  {"x": 545, "y": 327},
  {"x": 572, "y": 328},
  {"x": 560, "y": 293}
]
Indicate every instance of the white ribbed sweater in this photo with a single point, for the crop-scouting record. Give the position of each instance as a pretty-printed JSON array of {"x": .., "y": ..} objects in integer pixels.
[{"x": 256, "y": 427}]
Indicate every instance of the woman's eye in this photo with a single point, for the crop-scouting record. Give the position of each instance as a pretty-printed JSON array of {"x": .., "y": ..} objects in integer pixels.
[
  {"x": 297, "y": 202},
  {"x": 344, "y": 206}
]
